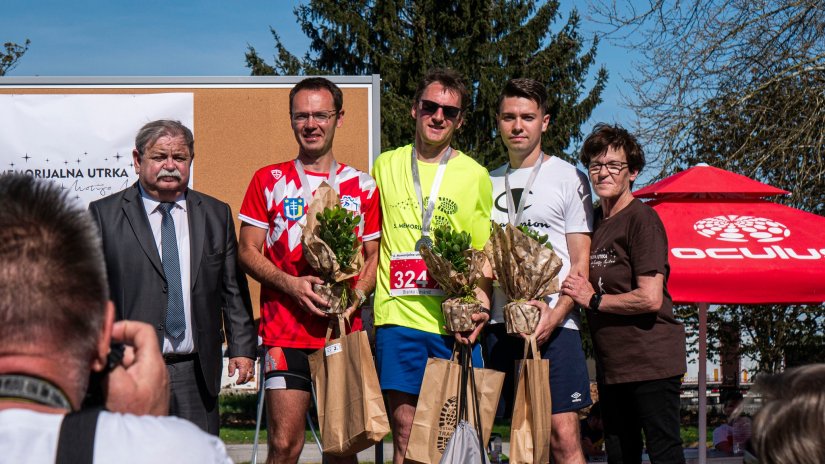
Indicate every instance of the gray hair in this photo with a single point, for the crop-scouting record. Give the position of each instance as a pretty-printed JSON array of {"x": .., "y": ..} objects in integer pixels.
[
  {"x": 151, "y": 132},
  {"x": 53, "y": 287}
]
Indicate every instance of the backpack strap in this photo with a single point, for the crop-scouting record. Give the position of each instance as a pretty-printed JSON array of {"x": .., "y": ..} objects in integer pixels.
[{"x": 77, "y": 437}]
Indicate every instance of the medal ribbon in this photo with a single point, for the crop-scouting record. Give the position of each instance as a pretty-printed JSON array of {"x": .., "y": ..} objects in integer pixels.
[
  {"x": 427, "y": 215},
  {"x": 306, "y": 189},
  {"x": 515, "y": 216}
]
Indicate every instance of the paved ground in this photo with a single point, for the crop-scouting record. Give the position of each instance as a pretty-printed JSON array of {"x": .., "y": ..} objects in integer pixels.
[{"x": 243, "y": 453}]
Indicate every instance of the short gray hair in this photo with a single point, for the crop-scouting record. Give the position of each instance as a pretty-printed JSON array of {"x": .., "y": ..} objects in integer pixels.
[{"x": 151, "y": 132}]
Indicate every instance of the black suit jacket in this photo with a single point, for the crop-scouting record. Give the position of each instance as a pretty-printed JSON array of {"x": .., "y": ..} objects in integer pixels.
[{"x": 220, "y": 295}]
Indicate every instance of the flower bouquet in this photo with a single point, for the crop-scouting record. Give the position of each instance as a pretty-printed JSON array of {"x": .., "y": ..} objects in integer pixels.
[
  {"x": 457, "y": 267},
  {"x": 526, "y": 268},
  {"x": 332, "y": 249}
]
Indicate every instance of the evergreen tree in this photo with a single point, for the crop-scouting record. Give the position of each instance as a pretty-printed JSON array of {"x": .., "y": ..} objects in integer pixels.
[
  {"x": 12, "y": 53},
  {"x": 487, "y": 41}
]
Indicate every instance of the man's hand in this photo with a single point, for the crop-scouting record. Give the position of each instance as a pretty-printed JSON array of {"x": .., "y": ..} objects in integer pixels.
[
  {"x": 141, "y": 384},
  {"x": 260, "y": 268},
  {"x": 547, "y": 322},
  {"x": 243, "y": 366},
  {"x": 300, "y": 289},
  {"x": 468, "y": 338},
  {"x": 347, "y": 315}
]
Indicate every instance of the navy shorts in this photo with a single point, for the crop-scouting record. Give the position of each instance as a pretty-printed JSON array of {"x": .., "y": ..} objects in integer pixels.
[
  {"x": 569, "y": 380},
  {"x": 401, "y": 355}
]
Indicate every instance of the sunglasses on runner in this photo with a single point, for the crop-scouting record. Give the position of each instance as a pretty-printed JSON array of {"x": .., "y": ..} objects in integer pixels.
[{"x": 431, "y": 107}]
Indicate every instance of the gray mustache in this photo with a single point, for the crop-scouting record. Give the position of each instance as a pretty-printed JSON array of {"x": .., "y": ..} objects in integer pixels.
[{"x": 164, "y": 173}]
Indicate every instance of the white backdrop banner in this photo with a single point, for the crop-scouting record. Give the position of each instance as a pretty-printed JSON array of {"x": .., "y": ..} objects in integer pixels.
[{"x": 82, "y": 142}]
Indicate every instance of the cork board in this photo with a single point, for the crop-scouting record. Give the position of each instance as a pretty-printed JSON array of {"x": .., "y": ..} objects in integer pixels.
[{"x": 241, "y": 124}]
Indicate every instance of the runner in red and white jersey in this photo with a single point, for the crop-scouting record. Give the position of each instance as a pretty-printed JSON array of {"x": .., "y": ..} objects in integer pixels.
[{"x": 269, "y": 250}]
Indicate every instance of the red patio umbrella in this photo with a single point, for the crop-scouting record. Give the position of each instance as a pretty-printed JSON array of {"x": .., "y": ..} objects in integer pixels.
[
  {"x": 703, "y": 181},
  {"x": 728, "y": 246}
]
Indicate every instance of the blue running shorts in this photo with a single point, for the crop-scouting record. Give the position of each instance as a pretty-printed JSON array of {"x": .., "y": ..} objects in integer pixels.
[{"x": 401, "y": 356}]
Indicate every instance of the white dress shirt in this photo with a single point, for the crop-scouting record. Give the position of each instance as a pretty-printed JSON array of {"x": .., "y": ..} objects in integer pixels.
[{"x": 186, "y": 344}]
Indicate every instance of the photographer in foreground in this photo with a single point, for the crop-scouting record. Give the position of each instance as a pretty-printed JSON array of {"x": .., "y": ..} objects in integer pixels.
[{"x": 57, "y": 326}]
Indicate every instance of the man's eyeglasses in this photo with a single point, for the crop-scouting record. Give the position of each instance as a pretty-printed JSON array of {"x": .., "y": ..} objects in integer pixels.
[
  {"x": 321, "y": 117},
  {"x": 613, "y": 167},
  {"x": 431, "y": 107}
]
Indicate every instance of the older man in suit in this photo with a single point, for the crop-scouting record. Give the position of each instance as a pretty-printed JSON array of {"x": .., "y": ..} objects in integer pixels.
[{"x": 171, "y": 261}]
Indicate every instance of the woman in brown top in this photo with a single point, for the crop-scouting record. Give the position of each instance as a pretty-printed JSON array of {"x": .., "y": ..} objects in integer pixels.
[{"x": 640, "y": 347}]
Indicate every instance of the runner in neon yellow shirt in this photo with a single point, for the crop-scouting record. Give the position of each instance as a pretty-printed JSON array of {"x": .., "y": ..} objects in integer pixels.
[
  {"x": 464, "y": 202},
  {"x": 423, "y": 186}
]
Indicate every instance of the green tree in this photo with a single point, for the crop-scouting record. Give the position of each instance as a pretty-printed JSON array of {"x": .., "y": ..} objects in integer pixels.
[
  {"x": 9, "y": 58},
  {"x": 773, "y": 336},
  {"x": 488, "y": 41}
]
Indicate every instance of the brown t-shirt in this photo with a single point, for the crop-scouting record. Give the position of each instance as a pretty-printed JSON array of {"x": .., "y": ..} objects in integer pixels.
[{"x": 633, "y": 348}]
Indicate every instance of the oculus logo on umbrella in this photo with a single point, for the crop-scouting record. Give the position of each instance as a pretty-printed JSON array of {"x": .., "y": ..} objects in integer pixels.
[
  {"x": 740, "y": 229},
  {"x": 734, "y": 228}
]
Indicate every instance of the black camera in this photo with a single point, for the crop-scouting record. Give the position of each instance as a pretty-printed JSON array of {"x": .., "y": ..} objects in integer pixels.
[{"x": 94, "y": 394}]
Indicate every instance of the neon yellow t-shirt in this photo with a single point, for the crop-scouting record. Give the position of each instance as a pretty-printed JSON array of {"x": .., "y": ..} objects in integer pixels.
[{"x": 464, "y": 202}]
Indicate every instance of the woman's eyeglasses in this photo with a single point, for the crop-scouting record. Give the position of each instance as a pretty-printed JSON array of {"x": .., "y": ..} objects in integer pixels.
[{"x": 613, "y": 167}]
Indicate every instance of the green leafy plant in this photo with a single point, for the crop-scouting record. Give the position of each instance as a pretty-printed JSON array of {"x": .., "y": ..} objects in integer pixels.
[
  {"x": 541, "y": 238},
  {"x": 337, "y": 229},
  {"x": 451, "y": 245}
]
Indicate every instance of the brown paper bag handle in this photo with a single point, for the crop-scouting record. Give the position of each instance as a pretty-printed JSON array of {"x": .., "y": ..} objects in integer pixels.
[
  {"x": 531, "y": 347},
  {"x": 456, "y": 354},
  {"x": 342, "y": 322}
]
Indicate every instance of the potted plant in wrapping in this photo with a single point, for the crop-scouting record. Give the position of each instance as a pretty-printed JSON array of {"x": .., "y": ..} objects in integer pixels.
[
  {"x": 456, "y": 266},
  {"x": 331, "y": 247},
  {"x": 526, "y": 268}
]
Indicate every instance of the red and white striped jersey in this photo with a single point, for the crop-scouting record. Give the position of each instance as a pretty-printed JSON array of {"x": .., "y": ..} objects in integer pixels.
[{"x": 274, "y": 201}]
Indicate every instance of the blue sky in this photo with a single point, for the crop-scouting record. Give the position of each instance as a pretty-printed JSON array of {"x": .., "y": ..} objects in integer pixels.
[
  {"x": 192, "y": 38},
  {"x": 144, "y": 38}
]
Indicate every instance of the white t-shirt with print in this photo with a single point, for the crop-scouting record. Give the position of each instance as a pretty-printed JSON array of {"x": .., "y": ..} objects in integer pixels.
[{"x": 559, "y": 203}]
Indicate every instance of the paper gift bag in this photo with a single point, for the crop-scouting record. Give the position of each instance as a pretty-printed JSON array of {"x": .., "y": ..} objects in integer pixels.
[
  {"x": 530, "y": 428},
  {"x": 466, "y": 445},
  {"x": 351, "y": 412},
  {"x": 436, "y": 413}
]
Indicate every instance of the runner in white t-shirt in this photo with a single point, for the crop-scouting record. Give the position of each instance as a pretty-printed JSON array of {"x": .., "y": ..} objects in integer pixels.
[{"x": 553, "y": 198}]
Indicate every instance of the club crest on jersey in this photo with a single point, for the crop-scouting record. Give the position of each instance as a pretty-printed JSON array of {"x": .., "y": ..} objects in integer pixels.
[
  {"x": 276, "y": 173},
  {"x": 351, "y": 203},
  {"x": 293, "y": 208}
]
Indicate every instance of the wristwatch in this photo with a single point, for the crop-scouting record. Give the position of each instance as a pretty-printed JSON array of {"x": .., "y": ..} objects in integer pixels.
[
  {"x": 595, "y": 301},
  {"x": 362, "y": 297}
]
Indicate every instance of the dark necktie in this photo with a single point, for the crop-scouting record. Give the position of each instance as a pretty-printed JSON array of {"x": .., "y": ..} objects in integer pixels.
[{"x": 175, "y": 319}]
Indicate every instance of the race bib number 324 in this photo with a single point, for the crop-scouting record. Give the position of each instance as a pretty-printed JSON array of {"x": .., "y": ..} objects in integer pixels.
[{"x": 409, "y": 276}]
